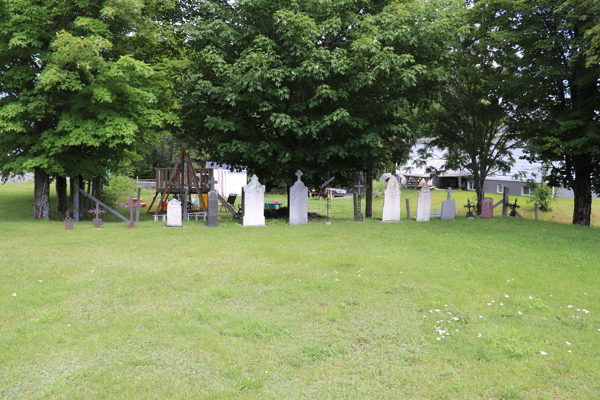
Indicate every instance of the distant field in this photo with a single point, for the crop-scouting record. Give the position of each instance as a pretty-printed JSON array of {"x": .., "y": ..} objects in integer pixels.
[{"x": 467, "y": 309}]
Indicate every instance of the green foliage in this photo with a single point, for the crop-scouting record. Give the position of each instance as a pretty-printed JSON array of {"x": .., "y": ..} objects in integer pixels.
[
  {"x": 77, "y": 88},
  {"x": 468, "y": 119},
  {"x": 118, "y": 189},
  {"x": 320, "y": 86},
  {"x": 541, "y": 192},
  {"x": 551, "y": 86}
]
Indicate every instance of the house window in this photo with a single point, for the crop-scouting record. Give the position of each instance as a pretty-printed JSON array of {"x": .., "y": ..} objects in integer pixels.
[
  {"x": 470, "y": 185},
  {"x": 499, "y": 188},
  {"x": 526, "y": 191}
]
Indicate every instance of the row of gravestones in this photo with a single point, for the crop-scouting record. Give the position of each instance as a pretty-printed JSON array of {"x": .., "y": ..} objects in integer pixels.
[
  {"x": 391, "y": 204},
  {"x": 253, "y": 205}
]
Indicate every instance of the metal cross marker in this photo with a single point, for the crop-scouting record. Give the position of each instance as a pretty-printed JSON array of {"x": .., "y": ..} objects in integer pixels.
[
  {"x": 513, "y": 207},
  {"x": 468, "y": 206},
  {"x": 131, "y": 206},
  {"x": 97, "y": 222}
]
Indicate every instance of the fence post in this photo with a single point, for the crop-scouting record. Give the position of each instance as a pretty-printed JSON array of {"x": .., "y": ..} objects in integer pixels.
[
  {"x": 505, "y": 203},
  {"x": 537, "y": 210},
  {"x": 408, "y": 213}
]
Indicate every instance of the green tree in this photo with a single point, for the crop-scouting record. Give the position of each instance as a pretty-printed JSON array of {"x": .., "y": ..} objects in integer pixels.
[
  {"x": 321, "y": 86},
  {"x": 76, "y": 94},
  {"x": 553, "y": 90},
  {"x": 468, "y": 119}
]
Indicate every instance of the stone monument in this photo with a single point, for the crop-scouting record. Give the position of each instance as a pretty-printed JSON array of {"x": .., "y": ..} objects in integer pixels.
[
  {"x": 298, "y": 202},
  {"x": 174, "y": 214},
  {"x": 254, "y": 203},
  {"x": 424, "y": 204},
  {"x": 213, "y": 209},
  {"x": 391, "y": 201},
  {"x": 448, "y": 208},
  {"x": 487, "y": 207}
]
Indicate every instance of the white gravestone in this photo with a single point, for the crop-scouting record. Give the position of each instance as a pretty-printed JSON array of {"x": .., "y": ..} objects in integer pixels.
[
  {"x": 254, "y": 203},
  {"x": 174, "y": 213},
  {"x": 448, "y": 210},
  {"x": 298, "y": 202},
  {"x": 424, "y": 204},
  {"x": 391, "y": 201}
]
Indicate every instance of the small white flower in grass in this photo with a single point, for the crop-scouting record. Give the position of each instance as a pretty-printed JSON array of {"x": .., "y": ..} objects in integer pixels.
[
  {"x": 505, "y": 295},
  {"x": 585, "y": 311},
  {"x": 570, "y": 306},
  {"x": 530, "y": 298},
  {"x": 14, "y": 294},
  {"x": 439, "y": 338},
  {"x": 569, "y": 351},
  {"x": 585, "y": 294},
  {"x": 41, "y": 280},
  {"x": 456, "y": 330},
  {"x": 493, "y": 301},
  {"x": 519, "y": 312},
  {"x": 479, "y": 335},
  {"x": 445, "y": 305},
  {"x": 489, "y": 304},
  {"x": 69, "y": 325},
  {"x": 449, "y": 313},
  {"x": 337, "y": 280},
  {"x": 481, "y": 316},
  {"x": 455, "y": 318},
  {"x": 579, "y": 309},
  {"x": 437, "y": 310},
  {"x": 543, "y": 353},
  {"x": 568, "y": 343},
  {"x": 501, "y": 304}
]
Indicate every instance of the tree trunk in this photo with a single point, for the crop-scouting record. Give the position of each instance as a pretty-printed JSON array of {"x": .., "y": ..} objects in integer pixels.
[
  {"x": 582, "y": 188},
  {"x": 96, "y": 186},
  {"x": 41, "y": 204},
  {"x": 61, "y": 194},
  {"x": 369, "y": 199},
  {"x": 75, "y": 204},
  {"x": 480, "y": 195}
]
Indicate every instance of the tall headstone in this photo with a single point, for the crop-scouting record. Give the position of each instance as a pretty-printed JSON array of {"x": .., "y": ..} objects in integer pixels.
[
  {"x": 213, "y": 209},
  {"x": 487, "y": 207},
  {"x": 254, "y": 203},
  {"x": 448, "y": 208},
  {"x": 424, "y": 204},
  {"x": 391, "y": 201},
  {"x": 298, "y": 202},
  {"x": 174, "y": 214}
]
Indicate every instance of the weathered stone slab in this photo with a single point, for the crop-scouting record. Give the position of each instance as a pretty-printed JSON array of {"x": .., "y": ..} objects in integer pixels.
[
  {"x": 174, "y": 214},
  {"x": 213, "y": 209},
  {"x": 424, "y": 204},
  {"x": 254, "y": 203},
  {"x": 391, "y": 201},
  {"x": 448, "y": 210},
  {"x": 487, "y": 207},
  {"x": 298, "y": 206}
]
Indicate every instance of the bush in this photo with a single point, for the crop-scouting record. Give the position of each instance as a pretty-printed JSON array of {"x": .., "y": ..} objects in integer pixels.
[{"x": 118, "y": 190}]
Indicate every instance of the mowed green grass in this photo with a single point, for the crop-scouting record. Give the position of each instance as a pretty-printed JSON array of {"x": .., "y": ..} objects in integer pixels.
[{"x": 342, "y": 311}]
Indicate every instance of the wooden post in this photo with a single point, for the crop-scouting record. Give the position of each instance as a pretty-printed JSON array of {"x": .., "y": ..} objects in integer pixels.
[
  {"x": 137, "y": 209},
  {"x": 537, "y": 210},
  {"x": 75, "y": 200},
  {"x": 408, "y": 213},
  {"x": 505, "y": 204},
  {"x": 184, "y": 195}
]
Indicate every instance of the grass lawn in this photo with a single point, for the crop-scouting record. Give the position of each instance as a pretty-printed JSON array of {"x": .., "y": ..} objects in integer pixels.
[{"x": 466, "y": 309}]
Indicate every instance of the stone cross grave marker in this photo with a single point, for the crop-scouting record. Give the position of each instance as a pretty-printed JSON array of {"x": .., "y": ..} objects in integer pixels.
[
  {"x": 174, "y": 214},
  {"x": 68, "y": 221},
  {"x": 424, "y": 204},
  {"x": 487, "y": 207},
  {"x": 97, "y": 222},
  {"x": 391, "y": 201},
  {"x": 131, "y": 205},
  {"x": 213, "y": 205},
  {"x": 448, "y": 208},
  {"x": 298, "y": 206},
  {"x": 356, "y": 196},
  {"x": 254, "y": 203}
]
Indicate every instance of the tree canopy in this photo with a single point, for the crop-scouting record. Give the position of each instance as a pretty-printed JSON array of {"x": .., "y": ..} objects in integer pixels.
[
  {"x": 316, "y": 85},
  {"x": 553, "y": 89},
  {"x": 76, "y": 93}
]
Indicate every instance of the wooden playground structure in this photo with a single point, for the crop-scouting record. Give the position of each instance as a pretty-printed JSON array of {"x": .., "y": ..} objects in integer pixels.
[{"x": 185, "y": 180}]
